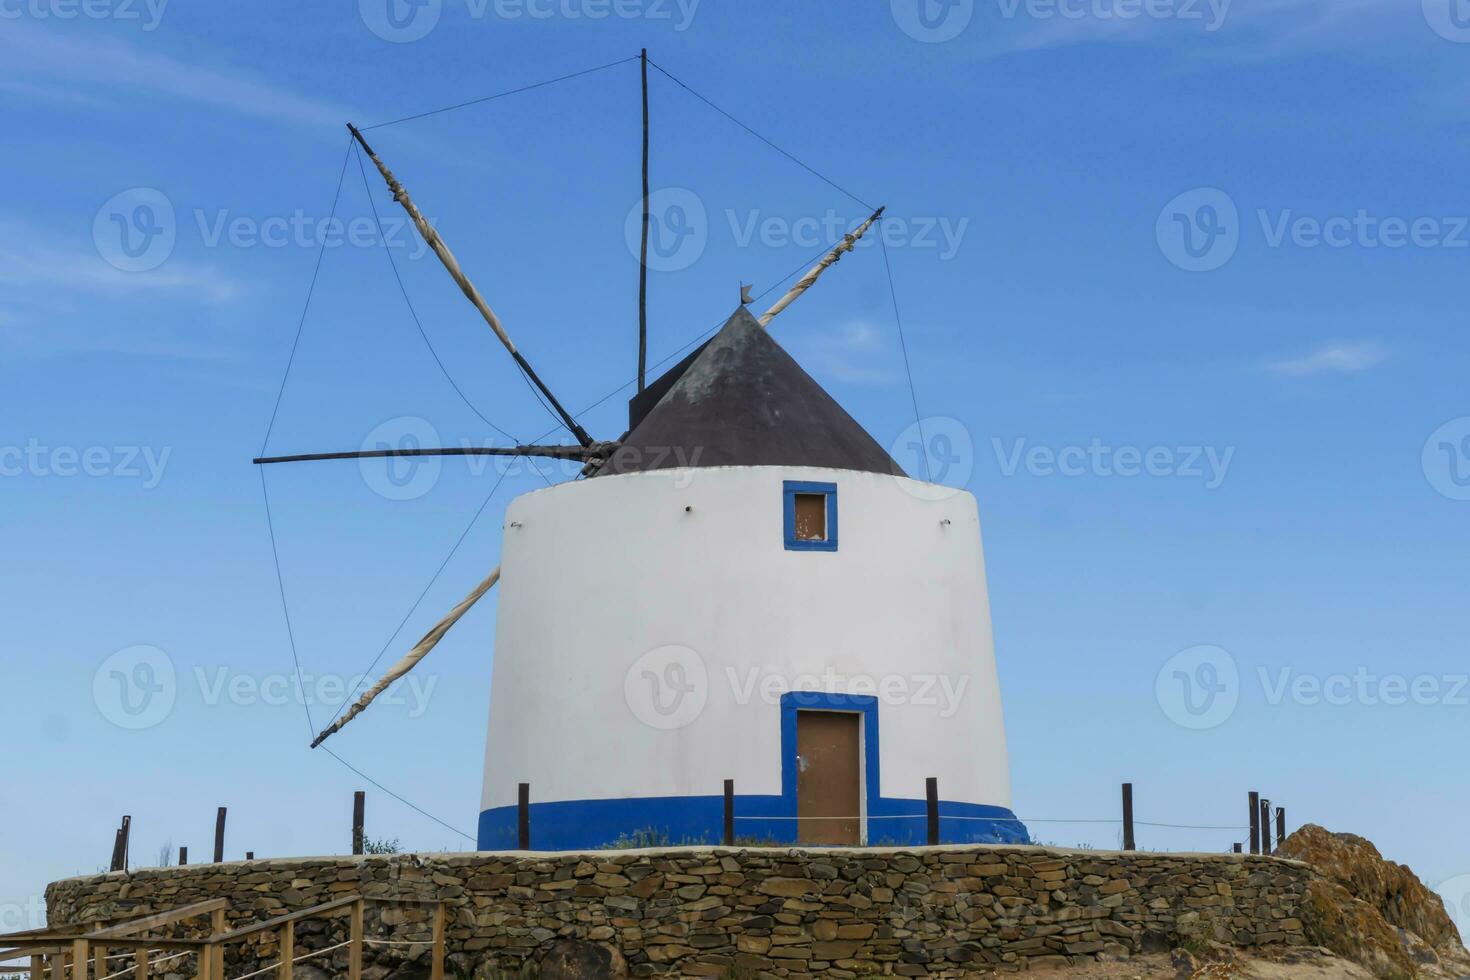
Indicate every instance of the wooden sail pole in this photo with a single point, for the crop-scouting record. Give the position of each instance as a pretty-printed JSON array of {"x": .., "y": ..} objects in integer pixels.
[
  {"x": 815, "y": 272},
  {"x": 436, "y": 243},
  {"x": 643, "y": 249},
  {"x": 410, "y": 660},
  {"x": 584, "y": 453}
]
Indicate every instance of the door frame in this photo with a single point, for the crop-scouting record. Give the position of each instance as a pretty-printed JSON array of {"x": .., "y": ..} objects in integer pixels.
[{"x": 794, "y": 702}]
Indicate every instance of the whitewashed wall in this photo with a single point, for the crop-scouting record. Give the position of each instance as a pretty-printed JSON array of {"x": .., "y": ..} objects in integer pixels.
[{"x": 599, "y": 573}]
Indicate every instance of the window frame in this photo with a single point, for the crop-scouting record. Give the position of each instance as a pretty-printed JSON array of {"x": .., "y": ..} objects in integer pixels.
[{"x": 789, "y": 491}]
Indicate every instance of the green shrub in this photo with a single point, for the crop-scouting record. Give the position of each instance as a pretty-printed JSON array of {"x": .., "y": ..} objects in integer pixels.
[{"x": 649, "y": 837}]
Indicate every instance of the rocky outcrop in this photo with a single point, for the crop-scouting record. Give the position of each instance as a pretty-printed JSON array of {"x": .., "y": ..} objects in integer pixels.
[{"x": 1374, "y": 911}]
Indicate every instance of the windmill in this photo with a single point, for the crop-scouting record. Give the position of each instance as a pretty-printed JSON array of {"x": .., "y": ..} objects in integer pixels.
[{"x": 736, "y": 621}]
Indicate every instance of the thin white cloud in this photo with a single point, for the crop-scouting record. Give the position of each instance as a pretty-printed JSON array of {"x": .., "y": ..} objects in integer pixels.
[
  {"x": 61, "y": 297},
  {"x": 1249, "y": 28},
  {"x": 30, "y": 91},
  {"x": 1332, "y": 358},
  {"x": 26, "y": 336},
  {"x": 29, "y": 261},
  {"x": 855, "y": 353},
  {"x": 73, "y": 67}
]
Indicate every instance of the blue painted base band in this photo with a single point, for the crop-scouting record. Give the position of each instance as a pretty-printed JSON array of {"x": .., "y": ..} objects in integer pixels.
[
  {"x": 670, "y": 821},
  {"x": 679, "y": 820}
]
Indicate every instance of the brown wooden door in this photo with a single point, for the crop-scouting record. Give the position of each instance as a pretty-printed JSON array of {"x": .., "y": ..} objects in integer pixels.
[{"x": 829, "y": 777}]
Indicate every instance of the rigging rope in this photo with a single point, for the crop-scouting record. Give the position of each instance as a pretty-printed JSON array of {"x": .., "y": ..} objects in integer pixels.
[
  {"x": 525, "y": 88},
  {"x": 903, "y": 345},
  {"x": 377, "y": 220},
  {"x": 790, "y": 156},
  {"x": 270, "y": 525},
  {"x": 311, "y": 291},
  {"x": 295, "y": 344},
  {"x": 501, "y": 95},
  {"x": 300, "y": 324},
  {"x": 404, "y": 290},
  {"x": 295, "y": 658},
  {"x": 680, "y": 350},
  {"x": 414, "y": 608},
  {"x": 280, "y": 581},
  {"x": 417, "y": 809}
]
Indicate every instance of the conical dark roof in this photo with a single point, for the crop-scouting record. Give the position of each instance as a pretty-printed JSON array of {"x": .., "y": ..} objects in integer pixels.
[{"x": 741, "y": 400}]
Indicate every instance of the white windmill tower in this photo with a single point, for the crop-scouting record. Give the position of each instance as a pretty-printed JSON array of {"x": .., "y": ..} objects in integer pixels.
[
  {"x": 770, "y": 600},
  {"x": 761, "y": 595}
]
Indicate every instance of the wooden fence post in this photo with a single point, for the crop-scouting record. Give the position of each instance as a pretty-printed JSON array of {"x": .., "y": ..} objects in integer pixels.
[
  {"x": 183, "y": 856},
  {"x": 1235, "y": 848},
  {"x": 931, "y": 805},
  {"x": 216, "y": 927},
  {"x": 359, "y": 807},
  {"x": 729, "y": 813},
  {"x": 120, "y": 845},
  {"x": 79, "y": 960},
  {"x": 523, "y": 821},
  {"x": 140, "y": 964},
  {"x": 436, "y": 963},
  {"x": 1266, "y": 827},
  {"x": 250, "y": 855},
  {"x": 1128, "y": 842},
  {"x": 354, "y": 951},
  {"x": 1280, "y": 826},
  {"x": 288, "y": 951},
  {"x": 219, "y": 835},
  {"x": 1255, "y": 806}
]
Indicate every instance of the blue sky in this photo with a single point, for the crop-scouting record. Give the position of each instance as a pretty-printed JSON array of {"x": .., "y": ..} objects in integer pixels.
[{"x": 1183, "y": 292}]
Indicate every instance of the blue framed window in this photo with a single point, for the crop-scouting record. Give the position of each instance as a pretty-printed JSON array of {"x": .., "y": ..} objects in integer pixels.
[{"x": 810, "y": 513}]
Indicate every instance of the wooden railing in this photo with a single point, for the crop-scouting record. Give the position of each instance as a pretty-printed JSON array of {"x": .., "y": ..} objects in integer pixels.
[{"x": 87, "y": 952}]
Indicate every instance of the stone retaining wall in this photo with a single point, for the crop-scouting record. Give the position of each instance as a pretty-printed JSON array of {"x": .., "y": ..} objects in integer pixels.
[{"x": 716, "y": 912}]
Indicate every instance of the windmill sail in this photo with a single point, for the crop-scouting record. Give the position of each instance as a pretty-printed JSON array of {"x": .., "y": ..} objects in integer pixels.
[
  {"x": 815, "y": 272},
  {"x": 410, "y": 660},
  {"x": 594, "y": 453},
  {"x": 451, "y": 265}
]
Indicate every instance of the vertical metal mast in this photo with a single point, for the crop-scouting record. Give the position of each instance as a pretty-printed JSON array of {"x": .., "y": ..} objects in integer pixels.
[{"x": 643, "y": 251}]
